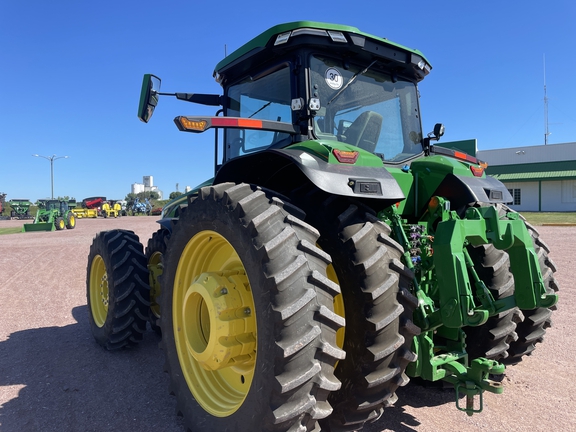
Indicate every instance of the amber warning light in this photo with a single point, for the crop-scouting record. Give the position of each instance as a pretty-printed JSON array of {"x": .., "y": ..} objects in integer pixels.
[{"x": 193, "y": 125}]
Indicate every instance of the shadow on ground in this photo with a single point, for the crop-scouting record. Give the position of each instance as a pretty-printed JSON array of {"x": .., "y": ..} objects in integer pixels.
[
  {"x": 72, "y": 384},
  {"x": 416, "y": 394}
]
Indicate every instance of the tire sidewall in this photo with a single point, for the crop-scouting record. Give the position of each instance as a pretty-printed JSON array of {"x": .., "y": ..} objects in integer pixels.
[
  {"x": 99, "y": 247},
  {"x": 254, "y": 413}
]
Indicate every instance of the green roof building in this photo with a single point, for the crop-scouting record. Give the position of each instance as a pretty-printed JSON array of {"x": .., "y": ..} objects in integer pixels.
[{"x": 540, "y": 178}]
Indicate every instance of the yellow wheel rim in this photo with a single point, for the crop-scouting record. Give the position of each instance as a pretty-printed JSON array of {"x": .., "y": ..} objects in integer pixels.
[
  {"x": 99, "y": 291},
  {"x": 72, "y": 221},
  {"x": 338, "y": 306},
  {"x": 62, "y": 224},
  {"x": 155, "y": 268},
  {"x": 214, "y": 323}
]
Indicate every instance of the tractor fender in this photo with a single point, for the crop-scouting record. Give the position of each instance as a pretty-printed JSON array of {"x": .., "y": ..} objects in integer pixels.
[
  {"x": 461, "y": 190},
  {"x": 285, "y": 169}
]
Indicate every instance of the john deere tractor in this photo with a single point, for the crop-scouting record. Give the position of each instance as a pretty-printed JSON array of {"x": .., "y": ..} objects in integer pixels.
[
  {"x": 337, "y": 251},
  {"x": 52, "y": 215}
]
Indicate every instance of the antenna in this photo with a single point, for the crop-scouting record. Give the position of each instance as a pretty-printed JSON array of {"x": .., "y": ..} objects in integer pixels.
[{"x": 546, "y": 132}]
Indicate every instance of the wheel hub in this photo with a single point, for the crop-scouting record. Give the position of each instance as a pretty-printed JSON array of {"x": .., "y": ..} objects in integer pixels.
[
  {"x": 220, "y": 323},
  {"x": 99, "y": 291},
  {"x": 155, "y": 268}
]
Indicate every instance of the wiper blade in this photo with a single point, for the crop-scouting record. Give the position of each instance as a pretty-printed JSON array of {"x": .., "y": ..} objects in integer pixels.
[
  {"x": 351, "y": 81},
  {"x": 263, "y": 106}
]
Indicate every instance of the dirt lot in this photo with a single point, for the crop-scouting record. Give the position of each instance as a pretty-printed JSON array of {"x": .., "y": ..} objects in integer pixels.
[{"x": 53, "y": 376}]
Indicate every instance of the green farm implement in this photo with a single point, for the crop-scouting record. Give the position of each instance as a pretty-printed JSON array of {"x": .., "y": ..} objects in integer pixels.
[
  {"x": 20, "y": 208},
  {"x": 54, "y": 215},
  {"x": 336, "y": 252}
]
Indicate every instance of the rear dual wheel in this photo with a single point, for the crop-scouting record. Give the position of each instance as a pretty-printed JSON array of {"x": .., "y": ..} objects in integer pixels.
[
  {"x": 247, "y": 316},
  {"x": 155, "y": 251},
  {"x": 532, "y": 329},
  {"x": 378, "y": 308},
  {"x": 492, "y": 339},
  {"x": 513, "y": 334}
]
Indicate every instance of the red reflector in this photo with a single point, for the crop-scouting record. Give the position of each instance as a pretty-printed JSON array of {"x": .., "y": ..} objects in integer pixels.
[
  {"x": 223, "y": 122},
  {"x": 465, "y": 156},
  {"x": 347, "y": 157},
  {"x": 477, "y": 171},
  {"x": 257, "y": 124},
  {"x": 236, "y": 122}
]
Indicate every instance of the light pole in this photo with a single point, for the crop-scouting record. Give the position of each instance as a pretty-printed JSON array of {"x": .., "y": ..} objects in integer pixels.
[{"x": 51, "y": 159}]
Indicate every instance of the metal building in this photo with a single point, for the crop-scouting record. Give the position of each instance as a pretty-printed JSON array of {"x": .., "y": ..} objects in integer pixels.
[{"x": 540, "y": 178}]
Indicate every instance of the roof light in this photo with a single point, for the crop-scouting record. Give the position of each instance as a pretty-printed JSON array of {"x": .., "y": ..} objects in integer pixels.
[
  {"x": 282, "y": 38},
  {"x": 309, "y": 31},
  {"x": 347, "y": 157},
  {"x": 337, "y": 36}
]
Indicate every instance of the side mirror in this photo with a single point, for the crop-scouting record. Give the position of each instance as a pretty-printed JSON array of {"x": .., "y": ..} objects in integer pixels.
[{"x": 148, "y": 97}]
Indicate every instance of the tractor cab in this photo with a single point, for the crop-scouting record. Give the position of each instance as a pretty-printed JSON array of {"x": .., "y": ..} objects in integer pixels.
[
  {"x": 307, "y": 81},
  {"x": 334, "y": 83}
]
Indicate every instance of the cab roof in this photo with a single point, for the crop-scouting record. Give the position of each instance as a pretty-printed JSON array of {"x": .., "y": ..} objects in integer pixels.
[{"x": 340, "y": 35}]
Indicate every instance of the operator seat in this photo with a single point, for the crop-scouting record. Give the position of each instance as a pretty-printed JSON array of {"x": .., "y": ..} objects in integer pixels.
[{"x": 365, "y": 130}]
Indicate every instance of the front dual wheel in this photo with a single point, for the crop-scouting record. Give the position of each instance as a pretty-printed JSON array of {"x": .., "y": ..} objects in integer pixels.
[{"x": 247, "y": 314}]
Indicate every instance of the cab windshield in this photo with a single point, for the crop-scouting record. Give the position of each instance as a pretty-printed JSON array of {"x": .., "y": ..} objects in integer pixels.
[{"x": 366, "y": 107}]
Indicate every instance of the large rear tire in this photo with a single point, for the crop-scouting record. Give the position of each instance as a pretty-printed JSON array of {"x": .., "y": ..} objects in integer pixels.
[
  {"x": 247, "y": 317},
  {"x": 117, "y": 289},
  {"x": 378, "y": 308},
  {"x": 532, "y": 329},
  {"x": 492, "y": 339},
  {"x": 511, "y": 335}
]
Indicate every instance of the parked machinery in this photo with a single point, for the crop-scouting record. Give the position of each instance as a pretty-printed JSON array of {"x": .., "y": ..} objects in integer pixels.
[
  {"x": 89, "y": 207},
  {"x": 53, "y": 215},
  {"x": 141, "y": 207},
  {"x": 111, "y": 209},
  {"x": 336, "y": 252},
  {"x": 20, "y": 208}
]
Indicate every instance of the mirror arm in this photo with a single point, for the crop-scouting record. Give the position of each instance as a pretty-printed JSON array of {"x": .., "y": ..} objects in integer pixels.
[{"x": 199, "y": 98}]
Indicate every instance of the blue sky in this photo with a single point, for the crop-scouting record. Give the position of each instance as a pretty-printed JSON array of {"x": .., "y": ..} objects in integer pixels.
[{"x": 71, "y": 73}]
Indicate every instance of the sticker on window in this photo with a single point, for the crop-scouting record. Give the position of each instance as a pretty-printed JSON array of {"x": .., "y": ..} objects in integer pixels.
[{"x": 333, "y": 78}]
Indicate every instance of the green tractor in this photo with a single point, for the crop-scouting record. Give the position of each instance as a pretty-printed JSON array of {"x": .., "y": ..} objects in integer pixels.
[
  {"x": 52, "y": 215},
  {"x": 336, "y": 252}
]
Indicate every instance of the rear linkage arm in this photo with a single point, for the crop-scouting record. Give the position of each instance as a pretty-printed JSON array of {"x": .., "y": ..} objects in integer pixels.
[{"x": 456, "y": 307}]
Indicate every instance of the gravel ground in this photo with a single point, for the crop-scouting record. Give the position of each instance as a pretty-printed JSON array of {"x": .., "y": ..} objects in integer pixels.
[{"x": 54, "y": 377}]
